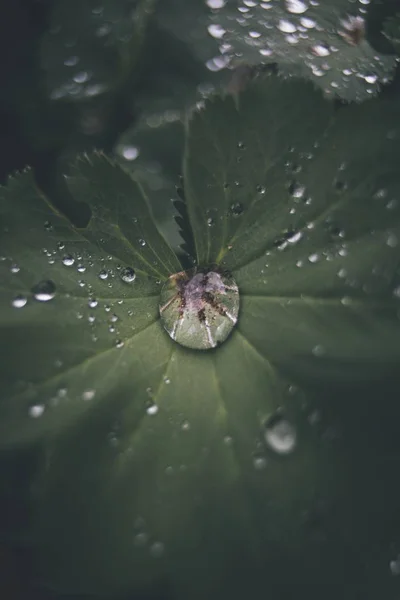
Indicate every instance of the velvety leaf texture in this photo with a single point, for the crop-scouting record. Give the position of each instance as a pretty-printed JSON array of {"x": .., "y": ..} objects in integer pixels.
[{"x": 202, "y": 470}]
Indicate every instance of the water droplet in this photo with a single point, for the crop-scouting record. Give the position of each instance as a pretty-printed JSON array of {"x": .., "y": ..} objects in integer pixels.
[
  {"x": 280, "y": 435},
  {"x": 320, "y": 50},
  {"x": 210, "y": 222},
  {"x": 307, "y": 22},
  {"x": 15, "y": 269},
  {"x": 261, "y": 189},
  {"x": 295, "y": 237},
  {"x": 241, "y": 145},
  {"x": 313, "y": 258},
  {"x": 44, "y": 290},
  {"x": 103, "y": 274},
  {"x": 130, "y": 152},
  {"x": 237, "y": 209},
  {"x": 92, "y": 303},
  {"x": 88, "y": 394},
  {"x": 119, "y": 344},
  {"x": 36, "y": 411},
  {"x": 151, "y": 408},
  {"x": 19, "y": 301},
  {"x": 128, "y": 274},
  {"x": 81, "y": 268},
  {"x": 392, "y": 240},
  {"x": 296, "y": 6},
  {"x": 286, "y": 26},
  {"x": 68, "y": 260},
  {"x": 48, "y": 226},
  {"x": 296, "y": 190},
  {"x": 199, "y": 309},
  {"x": 60, "y": 245},
  {"x": 185, "y": 426},
  {"x": 142, "y": 242}
]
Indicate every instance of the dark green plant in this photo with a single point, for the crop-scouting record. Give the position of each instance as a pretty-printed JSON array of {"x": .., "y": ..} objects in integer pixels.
[{"x": 207, "y": 469}]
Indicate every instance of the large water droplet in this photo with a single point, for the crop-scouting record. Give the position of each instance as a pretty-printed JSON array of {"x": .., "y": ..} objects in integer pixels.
[
  {"x": 199, "y": 309},
  {"x": 128, "y": 275},
  {"x": 44, "y": 290},
  {"x": 280, "y": 435}
]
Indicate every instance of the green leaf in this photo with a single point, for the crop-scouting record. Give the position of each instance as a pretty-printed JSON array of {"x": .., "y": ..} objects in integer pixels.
[
  {"x": 60, "y": 353},
  {"x": 325, "y": 43},
  {"x": 174, "y": 486},
  {"x": 391, "y": 31},
  {"x": 194, "y": 462},
  {"x": 122, "y": 223},
  {"x": 152, "y": 151},
  {"x": 235, "y": 168},
  {"x": 91, "y": 48},
  {"x": 307, "y": 219}
]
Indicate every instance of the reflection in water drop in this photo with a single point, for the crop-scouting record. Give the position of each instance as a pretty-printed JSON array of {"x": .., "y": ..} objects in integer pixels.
[{"x": 280, "y": 435}]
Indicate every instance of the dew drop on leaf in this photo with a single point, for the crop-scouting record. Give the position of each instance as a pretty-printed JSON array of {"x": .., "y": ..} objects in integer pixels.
[
  {"x": 237, "y": 209},
  {"x": 199, "y": 309},
  {"x": 280, "y": 435},
  {"x": 44, "y": 290},
  {"x": 103, "y": 274},
  {"x": 88, "y": 395},
  {"x": 36, "y": 411},
  {"x": 151, "y": 408},
  {"x": 92, "y": 302},
  {"x": 296, "y": 7},
  {"x": 19, "y": 301},
  {"x": 14, "y": 269},
  {"x": 128, "y": 275},
  {"x": 68, "y": 260}
]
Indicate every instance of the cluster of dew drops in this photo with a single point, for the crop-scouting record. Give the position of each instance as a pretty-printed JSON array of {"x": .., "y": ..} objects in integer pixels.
[{"x": 295, "y": 28}]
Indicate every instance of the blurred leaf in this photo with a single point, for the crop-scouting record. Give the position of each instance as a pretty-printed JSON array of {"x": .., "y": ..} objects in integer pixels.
[
  {"x": 323, "y": 42},
  {"x": 60, "y": 351},
  {"x": 91, "y": 48},
  {"x": 391, "y": 30}
]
